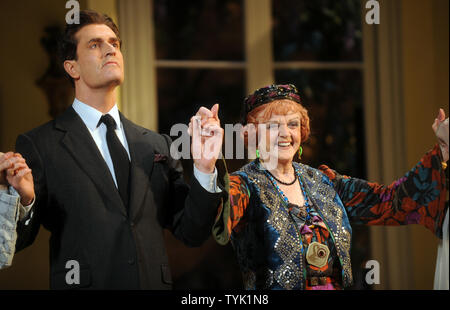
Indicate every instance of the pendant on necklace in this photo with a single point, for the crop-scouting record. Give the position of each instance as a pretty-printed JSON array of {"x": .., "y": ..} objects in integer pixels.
[{"x": 317, "y": 254}]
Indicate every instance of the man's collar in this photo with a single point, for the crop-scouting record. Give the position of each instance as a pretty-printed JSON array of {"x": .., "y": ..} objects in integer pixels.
[{"x": 91, "y": 116}]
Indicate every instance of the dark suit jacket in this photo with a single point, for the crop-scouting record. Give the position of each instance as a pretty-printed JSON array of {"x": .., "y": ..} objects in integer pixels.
[{"x": 78, "y": 202}]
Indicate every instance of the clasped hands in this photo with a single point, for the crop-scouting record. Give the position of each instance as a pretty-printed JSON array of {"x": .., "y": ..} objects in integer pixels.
[
  {"x": 207, "y": 138},
  {"x": 14, "y": 171},
  {"x": 440, "y": 128}
]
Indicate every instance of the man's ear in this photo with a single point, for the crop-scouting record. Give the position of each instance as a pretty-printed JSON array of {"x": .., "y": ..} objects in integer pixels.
[{"x": 72, "y": 69}]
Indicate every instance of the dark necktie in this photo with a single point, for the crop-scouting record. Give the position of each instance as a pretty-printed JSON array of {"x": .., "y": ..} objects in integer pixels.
[{"x": 119, "y": 157}]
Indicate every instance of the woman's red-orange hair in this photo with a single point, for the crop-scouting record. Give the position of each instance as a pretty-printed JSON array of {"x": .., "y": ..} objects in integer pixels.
[{"x": 281, "y": 107}]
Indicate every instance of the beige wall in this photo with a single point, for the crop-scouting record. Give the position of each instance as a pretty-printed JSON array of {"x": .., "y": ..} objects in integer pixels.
[
  {"x": 23, "y": 61},
  {"x": 23, "y": 106},
  {"x": 425, "y": 38}
]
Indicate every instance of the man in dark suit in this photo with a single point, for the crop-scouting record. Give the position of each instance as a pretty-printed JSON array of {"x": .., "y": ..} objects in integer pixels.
[{"x": 106, "y": 188}]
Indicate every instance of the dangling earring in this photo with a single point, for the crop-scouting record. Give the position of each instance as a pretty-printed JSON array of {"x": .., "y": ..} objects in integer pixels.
[
  {"x": 300, "y": 152},
  {"x": 257, "y": 153}
]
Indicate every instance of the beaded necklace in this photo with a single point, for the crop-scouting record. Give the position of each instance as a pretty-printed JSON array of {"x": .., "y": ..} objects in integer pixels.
[
  {"x": 307, "y": 216},
  {"x": 281, "y": 182}
]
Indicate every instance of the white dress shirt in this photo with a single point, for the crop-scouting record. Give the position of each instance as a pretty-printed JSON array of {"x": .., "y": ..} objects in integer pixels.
[{"x": 90, "y": 118}]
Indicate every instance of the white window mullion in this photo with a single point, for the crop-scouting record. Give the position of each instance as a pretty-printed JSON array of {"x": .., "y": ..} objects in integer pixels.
[
  {"x": 258, "y": 43},
  {"x": 318, "y": 65},
  {"x": 139, "y": 91},
  {"x": 200, "y": 64}
]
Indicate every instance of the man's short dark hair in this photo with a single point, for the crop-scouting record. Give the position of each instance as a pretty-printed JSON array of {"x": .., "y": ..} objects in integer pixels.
[{"x": 68, "y": 45}]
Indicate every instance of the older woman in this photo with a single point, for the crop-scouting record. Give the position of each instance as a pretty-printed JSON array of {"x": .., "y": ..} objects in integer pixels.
[{"x": 290, "y": 224}]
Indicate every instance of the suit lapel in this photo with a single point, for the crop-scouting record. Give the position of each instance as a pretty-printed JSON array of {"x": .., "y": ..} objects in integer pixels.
[
  {"x": 142, "y": 156},
  {"x": 78, "y": 141}
]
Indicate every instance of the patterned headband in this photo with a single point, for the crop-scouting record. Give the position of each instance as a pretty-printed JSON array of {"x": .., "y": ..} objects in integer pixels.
[{"x": 268, "y": 94}]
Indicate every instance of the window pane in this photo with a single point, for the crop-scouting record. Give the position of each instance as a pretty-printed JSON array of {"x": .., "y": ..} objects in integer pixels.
[
  {"x": 319, "y": 30},
  {"x": 199, "y": 30},
  {"x": 182, "y": 92},
  {"x": 334, "y": 102}
]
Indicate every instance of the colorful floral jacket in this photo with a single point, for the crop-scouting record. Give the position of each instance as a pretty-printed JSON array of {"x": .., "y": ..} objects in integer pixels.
[{"x": 267, "y": 242}]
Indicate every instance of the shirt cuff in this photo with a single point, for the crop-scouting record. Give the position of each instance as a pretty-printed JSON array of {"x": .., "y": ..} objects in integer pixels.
[
  {"x": 23, "y": 210},
  {"x": 207, "y": 180}
]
